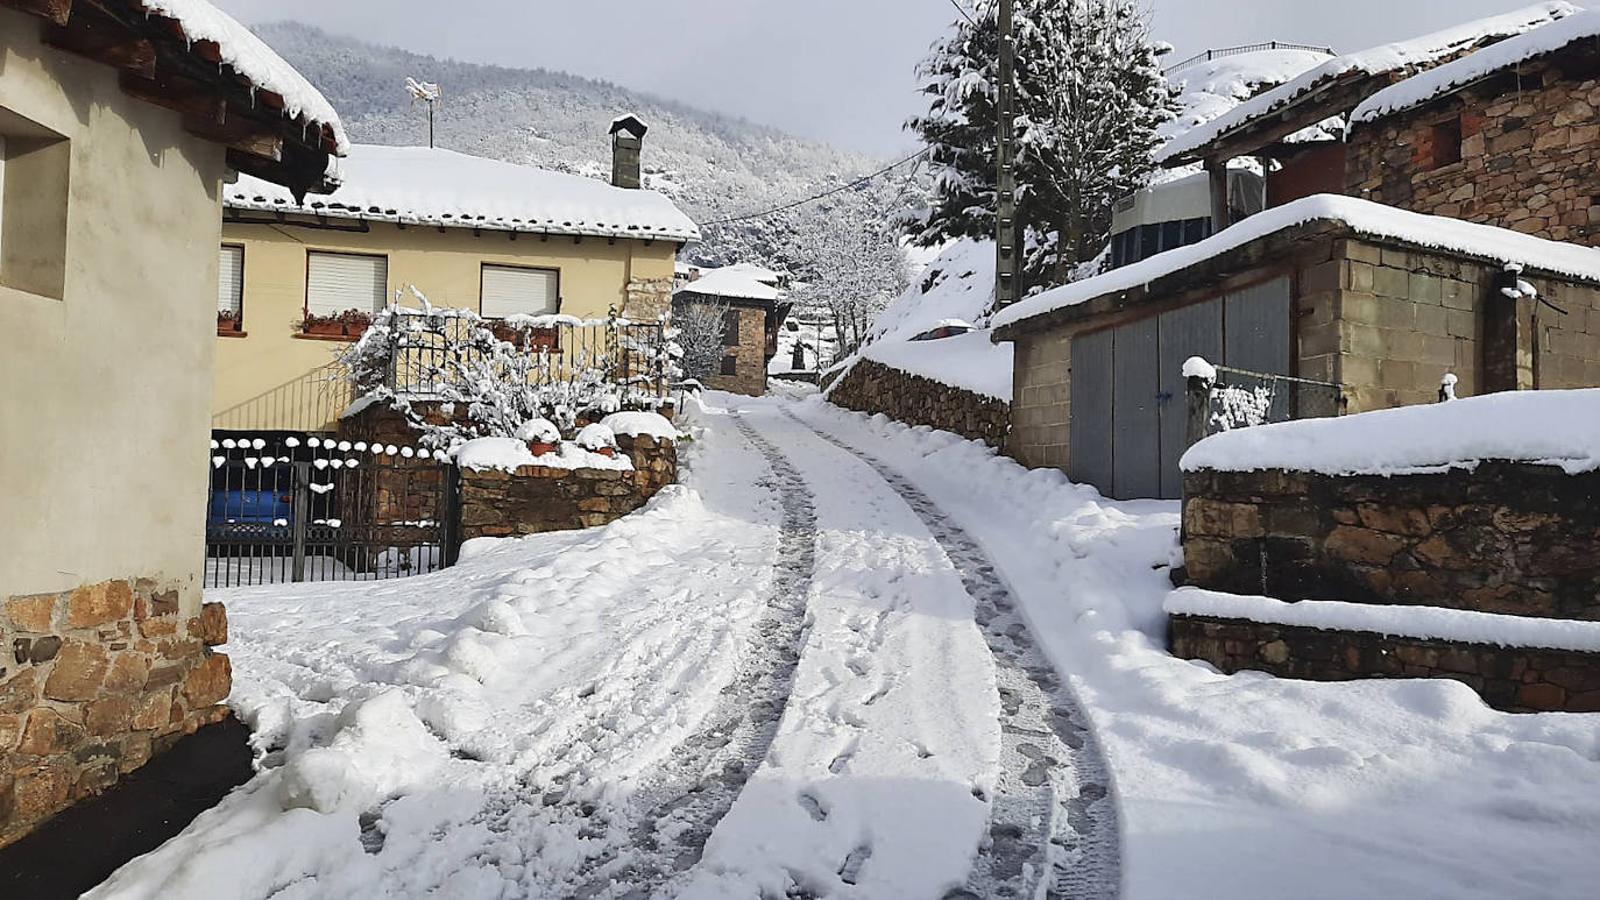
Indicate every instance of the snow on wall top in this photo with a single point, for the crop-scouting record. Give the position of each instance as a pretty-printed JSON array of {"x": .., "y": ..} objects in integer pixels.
[
  {"x": 1419, "y": 89},
  {"x": 1553, "y": 427},
  {"x": 423, "y": 186},
  {"x": 1416, "y": 53},
  {"x": 736, "y": 282},
  {"x": 1362, "y": 216},
  {"x": 251, "y": 57}
]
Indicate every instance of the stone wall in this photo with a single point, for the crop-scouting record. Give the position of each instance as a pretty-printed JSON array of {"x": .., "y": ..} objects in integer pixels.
[
  {"x": 537, "y": 499},
  {"x": 871, "y": 387},
  {"x": 95, "y": 681},
  {"x": 648, "y": 299},
  {"x": 1530, "y": 158},
  {"x": 750, "y": 357},
  {"x": 1510, "y": 679},
  {"x": 1507, "y": 538}
]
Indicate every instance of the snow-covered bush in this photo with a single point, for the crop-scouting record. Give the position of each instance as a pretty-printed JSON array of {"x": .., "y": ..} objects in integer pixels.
[
  {"x": 457, "y": 376},
  {"x": 699, "y": 335}
]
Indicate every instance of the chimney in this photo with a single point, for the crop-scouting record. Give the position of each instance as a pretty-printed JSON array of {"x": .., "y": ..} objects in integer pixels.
[{"x": 627, "y": 139}]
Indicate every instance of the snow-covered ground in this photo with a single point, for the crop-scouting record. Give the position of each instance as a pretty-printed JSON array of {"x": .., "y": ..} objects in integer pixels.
[{"x": 488, "y": 731}]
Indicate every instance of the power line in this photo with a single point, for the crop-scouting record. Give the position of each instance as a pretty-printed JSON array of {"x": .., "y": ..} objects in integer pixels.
[
  {"x": 964, "y": 14},
  {"x": 822, "y": 196}
]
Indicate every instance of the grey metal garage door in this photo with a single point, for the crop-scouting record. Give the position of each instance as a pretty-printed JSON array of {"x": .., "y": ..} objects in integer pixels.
[{"x": 1129, "y": 422}]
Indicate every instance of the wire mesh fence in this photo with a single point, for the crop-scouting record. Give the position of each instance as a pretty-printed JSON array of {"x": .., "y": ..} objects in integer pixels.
[{"x": 1239, "y": 398}]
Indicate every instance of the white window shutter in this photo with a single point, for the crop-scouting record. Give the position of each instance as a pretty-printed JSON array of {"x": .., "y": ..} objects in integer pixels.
[
  {"x": 509, "y": 291},
  {"x": 230, "y": 281},
  {"x": 336, "y": 282}
]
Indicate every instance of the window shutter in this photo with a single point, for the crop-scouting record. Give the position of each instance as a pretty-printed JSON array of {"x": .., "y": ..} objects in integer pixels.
[
  {"x": 509, "y": 291},
  {"x": 230, "y": 281},
  {"x": 336, "y": 282}
]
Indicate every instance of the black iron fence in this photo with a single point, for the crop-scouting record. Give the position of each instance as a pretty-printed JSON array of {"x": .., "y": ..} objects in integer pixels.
[
  {"x": 298, "y": 507},
  {"x": 1239, "y": 398}
]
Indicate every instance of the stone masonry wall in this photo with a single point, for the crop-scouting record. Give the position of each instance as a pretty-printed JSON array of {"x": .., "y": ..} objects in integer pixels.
[
  {"x": 1041, "y": 396},
  {"x": 1510, "y": 679},
  {"x": 1504, "y": 538},
  {"x": 537, "y": 499},
  {"x": 751, "y": 356},
  {"x": 871, "y": 387},
  {"x": 1530, "y": 159},
  {"x": 93, "y": 683}
]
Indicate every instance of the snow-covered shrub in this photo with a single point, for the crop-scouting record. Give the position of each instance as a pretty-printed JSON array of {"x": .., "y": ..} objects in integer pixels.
[
  {"x": 541, "y": 431},
  {"x": 597, "y": 437},
  {"x": 699, "y": 335}
]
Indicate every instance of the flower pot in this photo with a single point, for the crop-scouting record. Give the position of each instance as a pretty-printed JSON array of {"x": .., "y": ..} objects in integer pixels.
[
  {"x": 607, "y": 452},
  {"x": 540, "y": 448}
]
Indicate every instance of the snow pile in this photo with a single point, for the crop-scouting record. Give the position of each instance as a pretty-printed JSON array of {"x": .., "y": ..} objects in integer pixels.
[
  {"x": 1421, "y": 622},
  {"x": 634, "y": 424},
  {"x": 511, "y": 454},
  {"x": 1214, "y": 87},
  {"x": 1552, "y": 427},
  {"x": 1412, "y": 55},
  {"x": 738, "y": 282},
  {"x": 251, "y": 57},
  {"x": 1507, "y": 54},
  {"x": 596, "y": 437},
  {"x": 957, "y": 288},
  {"x": 425, "y": 186},
  {"x": 1362, "y": 216},
  {"x": 1256, "y": 787}
]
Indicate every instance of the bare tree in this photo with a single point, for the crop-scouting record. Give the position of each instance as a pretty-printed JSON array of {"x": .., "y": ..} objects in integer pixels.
[{"x": 700, "y": 336}]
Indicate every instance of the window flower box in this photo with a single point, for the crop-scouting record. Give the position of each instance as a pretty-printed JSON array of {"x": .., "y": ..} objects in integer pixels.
[
  {"x": 351, "y": 323},
  {"x": 228, "y": 323}
]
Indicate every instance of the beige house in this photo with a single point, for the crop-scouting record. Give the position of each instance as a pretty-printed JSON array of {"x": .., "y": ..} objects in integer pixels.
[
  {"x": 298, "y": 281},
  {"x": 118, "y": 127}
]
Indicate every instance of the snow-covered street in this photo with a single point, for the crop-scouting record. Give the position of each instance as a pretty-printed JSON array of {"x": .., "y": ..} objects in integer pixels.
[{"x": 846, "y": 659}]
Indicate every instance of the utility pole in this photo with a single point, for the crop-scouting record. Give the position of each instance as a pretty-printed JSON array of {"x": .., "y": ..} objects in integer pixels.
[{"x": 1005, "y": 283}]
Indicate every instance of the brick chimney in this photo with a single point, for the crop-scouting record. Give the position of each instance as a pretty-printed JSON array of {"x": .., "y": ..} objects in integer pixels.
[{"x": 627, "y": 140}]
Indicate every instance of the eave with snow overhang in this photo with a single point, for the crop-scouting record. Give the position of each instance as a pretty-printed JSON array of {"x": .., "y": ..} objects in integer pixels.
[
  {"x": 1268, "y": 237},
  {"x": 1259, "y": 126},
  {"x": 421, "y": 186},
  {"x": 230, "y": 88}
]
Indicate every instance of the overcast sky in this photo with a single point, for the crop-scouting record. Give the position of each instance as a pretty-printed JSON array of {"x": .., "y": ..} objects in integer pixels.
[{"x": 837, "y": 70}]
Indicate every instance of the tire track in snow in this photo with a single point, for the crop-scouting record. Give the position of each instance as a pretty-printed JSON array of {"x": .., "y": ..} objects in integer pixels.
[
  {"x": 1054, "y": 819},
  {"x": 674, "y": 813}
]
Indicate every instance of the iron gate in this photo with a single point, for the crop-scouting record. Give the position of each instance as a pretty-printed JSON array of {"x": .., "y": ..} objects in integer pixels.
[{"x": 296, "y": 507}]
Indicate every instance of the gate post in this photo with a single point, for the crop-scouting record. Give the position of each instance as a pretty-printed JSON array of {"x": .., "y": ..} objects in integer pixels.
[
  {"x": 450, "y": 515},
  {"x": 302, "y": 511},
  {"x": 1199, "y": 410}
]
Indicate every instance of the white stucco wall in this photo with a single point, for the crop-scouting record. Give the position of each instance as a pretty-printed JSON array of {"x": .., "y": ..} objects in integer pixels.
[{"x": 105, "y": 393}]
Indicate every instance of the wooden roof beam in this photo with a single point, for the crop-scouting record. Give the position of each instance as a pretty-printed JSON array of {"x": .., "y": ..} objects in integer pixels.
[
  {"x": 241, "y": 134},
  {"x": 177, "y": 93},
  {"x": 56, "y": 11},
  {"x": 104, "y": 42}
]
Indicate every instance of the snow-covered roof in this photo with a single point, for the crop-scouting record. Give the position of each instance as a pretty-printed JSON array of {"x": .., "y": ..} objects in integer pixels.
[
  {"x": 1507, "y": 54},
  {"x": 1211, "y": 88},
  {"x": 738, "y": 282},
  {"x": 1361, "y": 216},
  {"x": 249, "y": 56},
  {"x": 1412, "y": 55},
  {"x": 1554, "y": 427},
  {"x": 423, "y": 186}
]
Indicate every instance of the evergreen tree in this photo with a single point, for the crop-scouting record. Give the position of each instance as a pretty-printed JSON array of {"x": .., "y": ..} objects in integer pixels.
[{"x": 1090, "y": 96}]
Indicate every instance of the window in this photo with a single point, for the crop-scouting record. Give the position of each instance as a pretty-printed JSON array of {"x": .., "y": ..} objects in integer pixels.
[
  {"x": 730, "y": 331},
  {"x": 340, "y": 282},
  {"x": 230, "y": 289},
  {"x": 509, "y": 291},
  {"x": 34, "y": 164},
  {"x": 730, "y": 365},
  {"x": 1446, "y": 143}
]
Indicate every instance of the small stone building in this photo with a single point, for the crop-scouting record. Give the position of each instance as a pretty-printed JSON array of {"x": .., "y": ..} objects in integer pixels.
[
  {"x": 1379, "y": 301},
  {"x": 755, "y": 313},
  {"x": 118, "y": 127},
  {"x": 1509, "y": 137}
]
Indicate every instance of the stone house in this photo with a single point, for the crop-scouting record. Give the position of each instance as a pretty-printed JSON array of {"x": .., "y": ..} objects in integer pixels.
[
  {"x": 119, "y": 125},
  {"x": 1509, "y": 136},
  {"x": 300, "y": 280},
  {"x": 1297, "y": 130},
  {"x": 756, "y": 312},
  {"x": 1378, "y": 301}
]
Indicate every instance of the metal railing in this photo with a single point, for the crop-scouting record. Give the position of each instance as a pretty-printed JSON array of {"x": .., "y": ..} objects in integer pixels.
[
  {"x": 1242, "y": 49},
  {"x": 1240, "y": 398},
  {"x": 312, "y": 402}
]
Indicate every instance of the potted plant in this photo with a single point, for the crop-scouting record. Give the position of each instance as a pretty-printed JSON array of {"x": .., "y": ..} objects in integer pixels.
[
  {"x": 350, "y": 323},
  {"x": 228, "y": 322},
  {"x": 599, "y": 439},
  {"x": 541, "y": 436}
]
